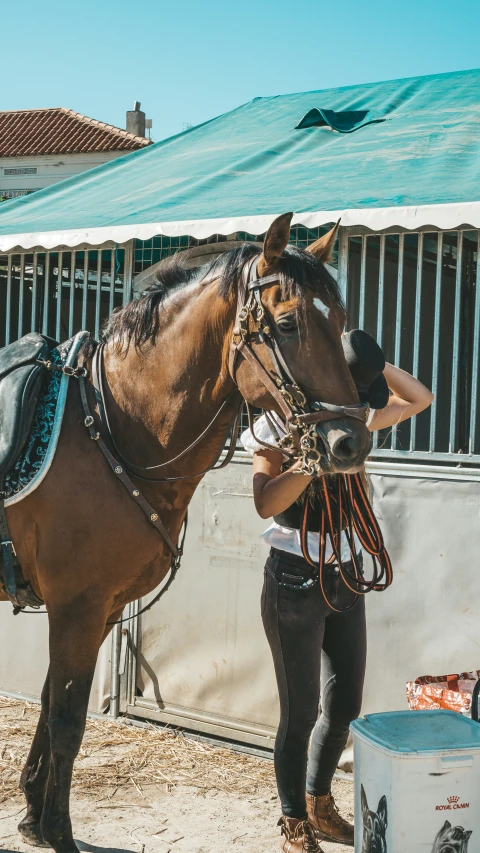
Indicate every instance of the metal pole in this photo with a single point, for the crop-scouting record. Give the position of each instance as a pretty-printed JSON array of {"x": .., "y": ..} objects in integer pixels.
[
  {"x": 456, "y": 344},
  {"x": 21, "y": 293},
  {"x": 9, "y": 300},
  {"x": 363, "y": 266},
  {"x": 114, "y": 674},
  {"x": 72, "y": 294},
  {"x": 475, "y": 355},
  {"x": 46, "y": 293},
  {"x": 33, "y": 317},
  {"x": 416, "y": 330},
  {"x": 98, "y": 294},
  {"x": 112, "y": 281},
  {"x": 85, "y": 289},
  {"x": 127, "y": 271},
  {"x": 436, "y": 341},
  {"x": 343, "y": 264},
  {"x": 398, "y": 317},
  {"x": 59, "y": 296}
]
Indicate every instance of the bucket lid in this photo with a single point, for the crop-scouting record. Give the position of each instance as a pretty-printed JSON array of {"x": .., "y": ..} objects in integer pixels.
[{"x": 418, "y": 731}]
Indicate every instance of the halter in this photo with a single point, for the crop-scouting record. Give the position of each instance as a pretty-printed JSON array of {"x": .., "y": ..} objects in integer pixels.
[{"x": 301, "y": 416}]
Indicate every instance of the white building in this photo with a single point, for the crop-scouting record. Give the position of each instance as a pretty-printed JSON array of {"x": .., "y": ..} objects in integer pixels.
[{"x": 41, "y": 147}]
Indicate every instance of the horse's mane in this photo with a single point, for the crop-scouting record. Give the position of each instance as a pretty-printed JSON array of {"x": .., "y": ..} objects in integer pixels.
[{"x": 139, "y": 321}]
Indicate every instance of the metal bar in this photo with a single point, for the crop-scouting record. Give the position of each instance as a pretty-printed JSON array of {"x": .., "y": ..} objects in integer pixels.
[
  {"x": 112, "y": 281},
  {"x": 71, "y": 305},
  {"x": 58, "y": 318},
  {"x": 475, "y": 356},
  {"x": 33, "y": 317},
  {"x": 454, "y": 458},
  {"x": 21, "y": 294},
  {"x": 98, "y": 294},
  {"x": 114, "y": 674},
  {"x": 127, "y": 271},
  {"x": 456, "y": 344},
  {"x": 363, "y": 268},
  {"x": 342, "y": 279},
  {"x": 85, "y": 289},
  {"x": 417, "y": 330},
  {"x": 381, "y": 287},
  {"x": 8, "y": 311},
  {"x": 46, "y": 293},
  {"x": 398, "y": 317},
  {"x": 436, "y": 341}
]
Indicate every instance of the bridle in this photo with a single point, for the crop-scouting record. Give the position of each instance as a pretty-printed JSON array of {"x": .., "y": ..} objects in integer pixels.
[{"x": 300, "y": 415}]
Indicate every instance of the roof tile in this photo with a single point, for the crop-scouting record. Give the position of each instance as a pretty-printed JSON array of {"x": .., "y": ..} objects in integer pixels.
[{"x": 58, "y": 130}]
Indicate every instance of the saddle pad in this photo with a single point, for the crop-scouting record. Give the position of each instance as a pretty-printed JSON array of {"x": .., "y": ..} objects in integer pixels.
[{"x": 32, "y": 454}]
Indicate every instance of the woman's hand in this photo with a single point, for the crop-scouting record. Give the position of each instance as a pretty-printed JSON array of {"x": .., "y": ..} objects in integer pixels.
[
  {"x": 274, "y": 491},
  {"x": 408, "y": 399}
]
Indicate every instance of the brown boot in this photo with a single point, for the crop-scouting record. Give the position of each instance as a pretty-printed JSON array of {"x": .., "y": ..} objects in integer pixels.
[
  {"x": 299, "y": 836},
  {"x": 323, "y": 815}
]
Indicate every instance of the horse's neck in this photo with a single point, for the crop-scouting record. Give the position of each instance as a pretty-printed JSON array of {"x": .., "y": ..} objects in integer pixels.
[{"x": 163, "y": 396}]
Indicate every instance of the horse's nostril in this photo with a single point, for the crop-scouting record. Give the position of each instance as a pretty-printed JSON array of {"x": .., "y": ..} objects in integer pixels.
[{"x": 344, "y": 448}]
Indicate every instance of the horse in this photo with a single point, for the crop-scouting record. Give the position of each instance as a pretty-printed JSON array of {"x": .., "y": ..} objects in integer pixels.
[{"x": 173, "y": 380}]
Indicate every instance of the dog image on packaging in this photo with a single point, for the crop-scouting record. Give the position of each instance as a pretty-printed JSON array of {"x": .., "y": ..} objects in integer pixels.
[
  {"x": 451, "y": 839},
  {"x": 375, "y": 826}
]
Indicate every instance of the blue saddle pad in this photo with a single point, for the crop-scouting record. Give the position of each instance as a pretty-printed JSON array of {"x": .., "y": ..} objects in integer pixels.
[{"x": 36, "y": 446}]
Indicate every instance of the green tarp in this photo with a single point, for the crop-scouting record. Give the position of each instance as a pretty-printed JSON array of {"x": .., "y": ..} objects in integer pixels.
[{"x": 400, "y": 150}]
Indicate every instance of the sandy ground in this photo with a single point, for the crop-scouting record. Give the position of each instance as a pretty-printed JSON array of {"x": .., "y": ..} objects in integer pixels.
[{"x": 222, "y": 810}]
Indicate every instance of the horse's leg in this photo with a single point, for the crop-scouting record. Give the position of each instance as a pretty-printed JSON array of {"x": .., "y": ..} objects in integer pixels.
[
  {"x": 75, "y": 638},
  {"x": 34, "y": 776}
]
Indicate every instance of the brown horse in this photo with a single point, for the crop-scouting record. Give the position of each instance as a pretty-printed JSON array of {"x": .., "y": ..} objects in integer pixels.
[{"x": 86, "y": 549}]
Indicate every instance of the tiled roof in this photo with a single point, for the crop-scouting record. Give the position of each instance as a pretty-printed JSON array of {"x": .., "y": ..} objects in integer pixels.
[{"x": 60, "y": 131}]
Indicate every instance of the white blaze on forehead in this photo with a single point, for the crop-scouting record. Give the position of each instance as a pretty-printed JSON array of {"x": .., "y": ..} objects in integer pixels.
[{"x": 321, "y": 306}]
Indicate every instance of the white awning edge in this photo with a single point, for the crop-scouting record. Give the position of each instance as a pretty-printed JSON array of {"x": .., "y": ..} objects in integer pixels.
[{"x": 445, "y": 217}]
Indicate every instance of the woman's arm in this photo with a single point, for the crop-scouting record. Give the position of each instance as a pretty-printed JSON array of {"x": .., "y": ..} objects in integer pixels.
[
  {"x": 408, "y": 399},
  {"x": 273, "y": 491}
]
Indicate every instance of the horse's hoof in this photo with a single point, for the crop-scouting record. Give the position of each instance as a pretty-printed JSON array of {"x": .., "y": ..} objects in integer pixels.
[{"x": 32, "y": 834}]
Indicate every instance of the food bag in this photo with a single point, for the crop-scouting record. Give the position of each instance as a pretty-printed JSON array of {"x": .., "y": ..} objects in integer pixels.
[{"x": 452, "y": 692}]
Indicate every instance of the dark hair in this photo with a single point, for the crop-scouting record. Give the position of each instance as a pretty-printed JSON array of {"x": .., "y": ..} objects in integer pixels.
[{"x": 139, "y": 320}]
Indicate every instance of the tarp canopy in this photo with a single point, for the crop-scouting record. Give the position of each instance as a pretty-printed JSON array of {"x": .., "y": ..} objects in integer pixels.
[{"x": 402, "y": 153}]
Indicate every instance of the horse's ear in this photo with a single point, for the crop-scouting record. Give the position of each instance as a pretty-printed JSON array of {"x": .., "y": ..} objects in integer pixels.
[
  {"x": 276, "y": 240},
  {"x": 322, "y": 248}
]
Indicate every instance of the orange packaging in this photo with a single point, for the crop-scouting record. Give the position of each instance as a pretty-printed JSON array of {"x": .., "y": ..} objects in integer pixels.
[{"x": 453, "y": 692}]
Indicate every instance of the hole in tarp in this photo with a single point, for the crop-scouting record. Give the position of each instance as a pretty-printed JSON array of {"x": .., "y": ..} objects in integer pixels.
[{"x": 344, "y": 122}]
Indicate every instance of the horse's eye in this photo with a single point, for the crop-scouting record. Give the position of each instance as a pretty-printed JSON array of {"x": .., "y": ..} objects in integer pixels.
[{"x": 287, "y": 324}]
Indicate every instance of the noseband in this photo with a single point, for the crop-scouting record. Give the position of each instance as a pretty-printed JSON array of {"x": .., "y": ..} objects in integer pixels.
[{"x": 301, "y": 416}]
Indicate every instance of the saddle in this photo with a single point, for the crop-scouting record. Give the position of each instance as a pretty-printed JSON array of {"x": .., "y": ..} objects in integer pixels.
[
  {"x": 21, "y": 379},
  {"x": 23, "y": 367}
]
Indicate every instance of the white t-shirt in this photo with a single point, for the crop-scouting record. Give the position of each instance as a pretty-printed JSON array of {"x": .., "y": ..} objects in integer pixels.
[{"x": 288, "y": 538}]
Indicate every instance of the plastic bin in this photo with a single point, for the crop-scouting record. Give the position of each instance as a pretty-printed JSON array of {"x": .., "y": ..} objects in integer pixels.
[{"x": 417, "y": 783}]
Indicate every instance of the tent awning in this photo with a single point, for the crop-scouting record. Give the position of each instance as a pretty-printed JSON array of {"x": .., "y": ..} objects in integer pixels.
[{"x": 405, "y": 153}]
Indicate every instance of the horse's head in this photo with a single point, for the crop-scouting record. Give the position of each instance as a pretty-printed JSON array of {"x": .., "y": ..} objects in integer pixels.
[{"x": 299, "y": 337}]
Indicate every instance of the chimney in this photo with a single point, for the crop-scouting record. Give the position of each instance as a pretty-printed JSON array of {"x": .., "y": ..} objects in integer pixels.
[{"x": 136, "y": 120}]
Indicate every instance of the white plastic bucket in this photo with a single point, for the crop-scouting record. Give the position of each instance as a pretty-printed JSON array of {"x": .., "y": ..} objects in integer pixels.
[{"x": 417, "y": 783}]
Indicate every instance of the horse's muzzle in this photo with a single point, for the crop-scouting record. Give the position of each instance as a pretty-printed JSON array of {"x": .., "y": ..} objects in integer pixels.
[{"x": 346, "y": 445}]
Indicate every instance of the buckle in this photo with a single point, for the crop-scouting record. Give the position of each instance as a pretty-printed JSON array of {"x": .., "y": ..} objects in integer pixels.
[{"x": 6, "y": 542}]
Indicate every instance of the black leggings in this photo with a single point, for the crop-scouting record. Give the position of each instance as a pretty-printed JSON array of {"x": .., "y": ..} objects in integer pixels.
[{"x": 306, "y": 637}]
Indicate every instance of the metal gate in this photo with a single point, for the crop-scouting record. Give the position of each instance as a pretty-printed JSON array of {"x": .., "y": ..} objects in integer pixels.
[{"x": 60, "y": 292}]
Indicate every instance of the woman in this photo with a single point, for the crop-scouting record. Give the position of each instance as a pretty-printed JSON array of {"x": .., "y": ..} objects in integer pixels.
[{"x": 307, "y": 638}]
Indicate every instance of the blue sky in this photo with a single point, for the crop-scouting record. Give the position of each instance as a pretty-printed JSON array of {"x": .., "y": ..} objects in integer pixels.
[{"x": 189, "y": 61}]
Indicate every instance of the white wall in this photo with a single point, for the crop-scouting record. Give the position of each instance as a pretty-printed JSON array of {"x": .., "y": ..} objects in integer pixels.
[{"x": 51, "y": 168}]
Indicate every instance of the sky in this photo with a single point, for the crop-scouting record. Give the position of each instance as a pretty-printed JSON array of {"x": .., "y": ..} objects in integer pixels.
[{"x": 189, "y": 61}]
